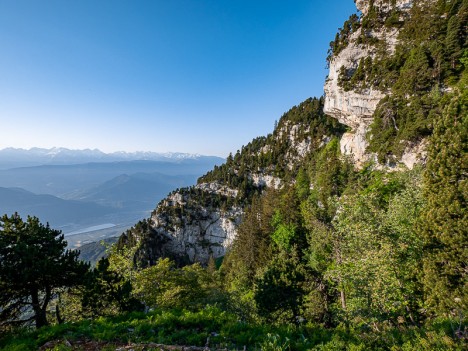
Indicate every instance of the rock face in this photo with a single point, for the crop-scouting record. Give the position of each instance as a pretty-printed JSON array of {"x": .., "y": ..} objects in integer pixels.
[
  {"x": 384, "y": 5},
  {"x": 355, "y": 108},
  {"x": 197, "y": 229},
  {"x": 352, "y": 108},
  {"x": 265, "y": 180}
]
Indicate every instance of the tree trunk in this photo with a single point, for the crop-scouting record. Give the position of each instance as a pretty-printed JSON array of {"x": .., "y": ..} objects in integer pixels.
[
  {"x": 40, "y": 316},
  {"x": 39, "y": 313},
  {"x": 340, "y": 282},
  {"x": 58, "y": 315},
  {"x": 343, "y": 299},
  {"x": 57, "y": 310}
]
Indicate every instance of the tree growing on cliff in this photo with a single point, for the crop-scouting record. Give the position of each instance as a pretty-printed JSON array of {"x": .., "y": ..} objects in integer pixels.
[{"x": 34, "y": 265}]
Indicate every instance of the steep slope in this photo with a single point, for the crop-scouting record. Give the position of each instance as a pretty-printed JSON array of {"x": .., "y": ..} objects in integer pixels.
[
  {"x": 389, "y": 68},
  {"x": 392, "y": 70},
  {"x": 195, "y": 223}
]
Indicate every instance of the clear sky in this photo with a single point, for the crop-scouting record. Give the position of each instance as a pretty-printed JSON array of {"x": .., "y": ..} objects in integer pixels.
[{"x": 198, "y": 76}]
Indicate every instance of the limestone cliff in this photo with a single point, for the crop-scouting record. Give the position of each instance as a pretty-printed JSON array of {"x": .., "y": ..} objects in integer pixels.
[
  {"x": 355, "y": 107},
  {"x": 198, "y": 221}
]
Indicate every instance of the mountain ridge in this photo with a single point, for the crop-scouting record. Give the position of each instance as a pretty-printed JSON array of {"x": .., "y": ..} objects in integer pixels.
[
  {"x": 56, "y": 211},
  {"x": 59, "y": 180},
  {"x": 195, "y": 223},
  {"x": 18, "y": 157}
]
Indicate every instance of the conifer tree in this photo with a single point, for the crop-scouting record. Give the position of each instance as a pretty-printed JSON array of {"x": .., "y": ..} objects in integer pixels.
[
  {"x": 34, "y": 265},
  {"x": 444, "y": 221},
  {"x": 107, "y": 292}
]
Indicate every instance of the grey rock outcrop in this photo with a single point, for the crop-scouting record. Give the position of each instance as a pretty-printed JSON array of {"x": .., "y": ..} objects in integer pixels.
[
  {"x": 355, "y": 108},
  {"x": 383, "y": 5},
  {"x": 195, "y": 229}
]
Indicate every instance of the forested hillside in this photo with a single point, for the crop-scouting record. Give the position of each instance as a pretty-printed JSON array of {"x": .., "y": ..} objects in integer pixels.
[
  {"x": 295, "y": 243},
  {"x": 196, "y": 223}
]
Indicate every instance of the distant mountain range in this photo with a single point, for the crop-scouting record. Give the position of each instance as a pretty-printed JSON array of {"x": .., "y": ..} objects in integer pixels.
[
  {"x": 67, "y": 180},
  {"x": 49, "y": 208},
  {"x": 13, "y": 157},
  {"x": 80, "y": 190},
  {"x": 137, "y": 191}
]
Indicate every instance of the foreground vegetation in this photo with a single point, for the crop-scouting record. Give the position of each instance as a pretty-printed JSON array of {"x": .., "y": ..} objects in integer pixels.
[{"x": 216, "y": 329}]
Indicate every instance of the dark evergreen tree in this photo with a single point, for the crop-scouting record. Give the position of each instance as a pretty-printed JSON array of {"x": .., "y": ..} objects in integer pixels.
[
  {"x": 444, "y": 221},
  {"x": 279, "y": 289},
  {"x": 107, "y": 292},
  {"x": 34, "y": 266}
]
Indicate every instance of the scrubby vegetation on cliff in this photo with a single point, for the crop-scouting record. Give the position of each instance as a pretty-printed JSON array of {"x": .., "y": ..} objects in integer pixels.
[
  {"x": 427, "y": 63},
  {"x": 277, "y": 154}
]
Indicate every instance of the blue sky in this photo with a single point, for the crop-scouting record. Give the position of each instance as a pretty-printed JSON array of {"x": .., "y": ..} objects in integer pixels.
[{"x": 198, "y": 76}]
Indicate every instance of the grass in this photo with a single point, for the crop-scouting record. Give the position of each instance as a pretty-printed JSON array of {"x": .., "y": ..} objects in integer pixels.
[
  {"x": 175, "y": 327},
  {"x": 221, "y": 330}
]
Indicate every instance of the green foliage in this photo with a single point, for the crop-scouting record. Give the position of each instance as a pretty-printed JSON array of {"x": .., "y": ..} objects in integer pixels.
[
  {"x": 34, "y": 267},
  {"x": 302, "y": 185},
  {"x": 415, "y": 74},
  {"x": 398, "y": 120},
  {"x": 106, "y": 292},
  {"x": 444, "y": 220},
  {"x": 251, "y": 248},
  {"x": 221, "y": 330},
  {"x": 273, "y": 342},
  {"x": 378, "y": 255},
  {"x": 330, "y": 176},
  {"x": 284, "y": 233},
  {"x": 318, "y": 257},
  {"x": 122, "y": 256},
  {"x": 278, "y": 288},
  {"x": 209, "y": 326},
  {"x": 165, "y": 286}
]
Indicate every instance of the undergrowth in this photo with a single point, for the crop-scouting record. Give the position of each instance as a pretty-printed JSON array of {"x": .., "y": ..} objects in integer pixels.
[{"x": 221, "y": 330}]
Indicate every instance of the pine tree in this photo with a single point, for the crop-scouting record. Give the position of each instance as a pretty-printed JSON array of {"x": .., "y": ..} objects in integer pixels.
[
  {"x": 34, "y": 266},
  {"x": 107, "y": 292},
  {"x": 279, "y": 288},
  {"x": 444, "y": 221}
]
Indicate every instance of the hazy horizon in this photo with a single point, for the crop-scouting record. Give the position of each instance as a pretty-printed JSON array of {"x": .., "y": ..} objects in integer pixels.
[
  {"x": 107, "y": 153},
  {"x": 164, "y": 76}
]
